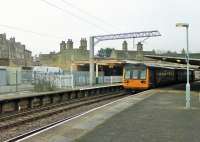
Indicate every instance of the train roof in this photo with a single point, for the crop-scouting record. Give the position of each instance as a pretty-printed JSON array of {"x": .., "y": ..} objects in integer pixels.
[
  {"x": 167, "y": 66},
  {"x": 151, "y": 65}
]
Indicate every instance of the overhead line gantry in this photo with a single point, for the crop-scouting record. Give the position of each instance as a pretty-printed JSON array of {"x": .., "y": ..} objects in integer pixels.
[{"x": 96, "y": 39}]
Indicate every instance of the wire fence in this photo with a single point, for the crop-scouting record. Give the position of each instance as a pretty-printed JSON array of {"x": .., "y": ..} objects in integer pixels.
[{"x": 36, "y": 81}]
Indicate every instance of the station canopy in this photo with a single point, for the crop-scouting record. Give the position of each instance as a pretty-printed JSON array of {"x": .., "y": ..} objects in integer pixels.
[{"x": 179, "y": 60}]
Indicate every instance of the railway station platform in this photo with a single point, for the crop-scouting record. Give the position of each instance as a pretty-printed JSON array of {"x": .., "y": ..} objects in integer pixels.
[
  {"x": 23, "y": 94},
  {"x": 157, "y": 115}
]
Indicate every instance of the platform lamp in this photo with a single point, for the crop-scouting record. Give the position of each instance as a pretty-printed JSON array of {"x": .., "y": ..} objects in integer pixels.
[{"x": 186, "y": 25}]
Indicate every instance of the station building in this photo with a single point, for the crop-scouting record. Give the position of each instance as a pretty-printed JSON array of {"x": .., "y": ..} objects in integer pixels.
[
  {"x": 14, "y": 53},
  {"x": 77, "y": 59},
  {"x": 66, "y": 56},
  {"x": 70, "y": 58}
]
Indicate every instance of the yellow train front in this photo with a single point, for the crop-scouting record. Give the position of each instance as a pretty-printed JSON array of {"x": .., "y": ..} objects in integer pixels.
[
  {"x": 135, "y": 76},
  {"x": 142, "y": 77}
]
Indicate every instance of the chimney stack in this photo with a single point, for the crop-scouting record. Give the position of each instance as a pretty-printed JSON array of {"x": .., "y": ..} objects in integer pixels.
[
  {"x": 69, "y": 44},
  {"x": 140, "y": 53},
  {"x": 3, "y": 36},
  {"x": 125, "y": 46},
  {"x": 83, "y": 44},
  {"x": 12, "y": 39},
  {"x": 62, "y": 46},
  {"x": 139, "y": 46}
]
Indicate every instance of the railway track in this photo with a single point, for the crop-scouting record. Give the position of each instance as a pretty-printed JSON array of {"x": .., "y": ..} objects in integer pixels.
[{"x": 15, "y": 120}]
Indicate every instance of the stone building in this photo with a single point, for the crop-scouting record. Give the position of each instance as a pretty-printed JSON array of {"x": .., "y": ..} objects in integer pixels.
[
  {"x": 13, "y": 53},
  {"x": 67, "y": 55},
  {"x": 126, "y": 54}
]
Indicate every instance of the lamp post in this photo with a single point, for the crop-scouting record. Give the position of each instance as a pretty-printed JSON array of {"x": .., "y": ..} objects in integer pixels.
[{"x": 188, "y": 73}]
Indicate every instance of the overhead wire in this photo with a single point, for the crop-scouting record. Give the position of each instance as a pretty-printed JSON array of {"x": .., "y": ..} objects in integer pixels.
[
  {"x": 90, "y": 15},
  {"x": 76, "y": 16},
  {"x": 30, "y": 31},
  {"x": 67, "y": 12},
  {"x": 46, "y": 34}
]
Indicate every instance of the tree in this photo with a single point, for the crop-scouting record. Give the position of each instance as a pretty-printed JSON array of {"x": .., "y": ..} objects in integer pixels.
[{"x": 104, "y": 52}]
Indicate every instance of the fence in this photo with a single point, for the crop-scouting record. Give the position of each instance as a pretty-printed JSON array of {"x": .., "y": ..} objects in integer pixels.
[
  {"x": 44, "y": 81},
  {"x": 27, "y": 80},
  {"x": 48, "y": 82},
  {"x": 3, "y": 75},
  {"x": 14, "y": 80},
  {"x": 109, "y": 79}
]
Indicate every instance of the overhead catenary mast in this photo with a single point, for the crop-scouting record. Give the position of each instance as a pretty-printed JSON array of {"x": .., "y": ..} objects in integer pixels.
[{"x": 96, "y": 39}]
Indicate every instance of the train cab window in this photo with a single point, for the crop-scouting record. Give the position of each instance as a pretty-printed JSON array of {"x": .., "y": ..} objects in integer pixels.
[
  {"x": 135, "y": 72},
  {"x": 143, "y": 74},
  {"x": 128, "y": 74},
  {"x": 139, "y": 74}
]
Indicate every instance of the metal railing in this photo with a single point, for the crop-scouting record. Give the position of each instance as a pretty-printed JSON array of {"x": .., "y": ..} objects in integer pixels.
[{"x": 27, "y": 80}]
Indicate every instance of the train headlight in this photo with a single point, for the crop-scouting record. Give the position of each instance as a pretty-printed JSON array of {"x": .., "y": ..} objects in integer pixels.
[{"x": 143, "y": 81}]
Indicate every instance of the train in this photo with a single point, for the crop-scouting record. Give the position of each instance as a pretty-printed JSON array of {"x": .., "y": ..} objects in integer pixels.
[{"x": 139, "y": 76}]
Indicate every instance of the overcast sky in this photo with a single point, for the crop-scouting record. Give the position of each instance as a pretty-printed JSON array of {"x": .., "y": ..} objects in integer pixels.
[{"x": 105, "y": 16}]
